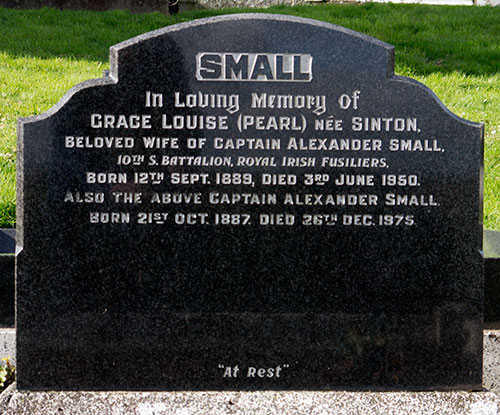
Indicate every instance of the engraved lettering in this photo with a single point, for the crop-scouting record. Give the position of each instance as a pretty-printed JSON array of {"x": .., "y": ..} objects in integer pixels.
[{"x": 256, "y": 67}]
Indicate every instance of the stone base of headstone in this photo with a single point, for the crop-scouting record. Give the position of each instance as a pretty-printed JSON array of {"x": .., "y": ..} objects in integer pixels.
[
  {"x": 491, "y": 357},
  {"x": 13, "y": 402},
  {"x": 8, "y": 344}
]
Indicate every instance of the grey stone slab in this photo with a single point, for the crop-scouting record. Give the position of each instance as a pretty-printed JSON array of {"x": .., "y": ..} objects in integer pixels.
[
  {"x": 255, "y": 403},
  {"x": 491, "y": 360},
  {"x": 250, "y": 202},
  {"x": 8, "y": 344},
  {"x": 491, "y": 244},
  {"x": 218, "y": 4},
  {"x": 430, "y": 2}
]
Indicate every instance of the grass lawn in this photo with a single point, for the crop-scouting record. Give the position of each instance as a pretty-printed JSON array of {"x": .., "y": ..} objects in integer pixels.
[{"x": 454, "y": 50}]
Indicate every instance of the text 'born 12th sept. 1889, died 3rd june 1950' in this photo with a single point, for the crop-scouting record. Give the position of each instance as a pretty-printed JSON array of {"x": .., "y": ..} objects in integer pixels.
[{"x": 249, "y": 202}]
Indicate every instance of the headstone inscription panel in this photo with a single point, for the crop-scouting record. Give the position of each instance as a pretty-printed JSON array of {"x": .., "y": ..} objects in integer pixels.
[{"x": 249, "y": 202}]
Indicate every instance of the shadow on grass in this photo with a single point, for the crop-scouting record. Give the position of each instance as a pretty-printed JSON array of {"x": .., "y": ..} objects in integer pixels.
[
  {"x": 49, "y": 33},
  {"x": 427, "y": 38}
]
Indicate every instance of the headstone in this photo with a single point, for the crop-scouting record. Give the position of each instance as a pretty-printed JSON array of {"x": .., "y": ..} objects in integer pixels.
[{"x": 249, "y": 202}]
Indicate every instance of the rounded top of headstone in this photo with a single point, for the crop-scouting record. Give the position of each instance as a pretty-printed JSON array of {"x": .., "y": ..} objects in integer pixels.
[
  {"x": 335, "y": 47},
  {"x": 252, "y": 17}
]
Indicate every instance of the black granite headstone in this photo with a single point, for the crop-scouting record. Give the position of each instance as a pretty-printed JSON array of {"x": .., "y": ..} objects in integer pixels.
[{"x": 249, "y": 202}]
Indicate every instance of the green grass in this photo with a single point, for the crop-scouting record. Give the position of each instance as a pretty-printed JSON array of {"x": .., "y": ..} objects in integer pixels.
[{"x": 453, "y": 50}]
